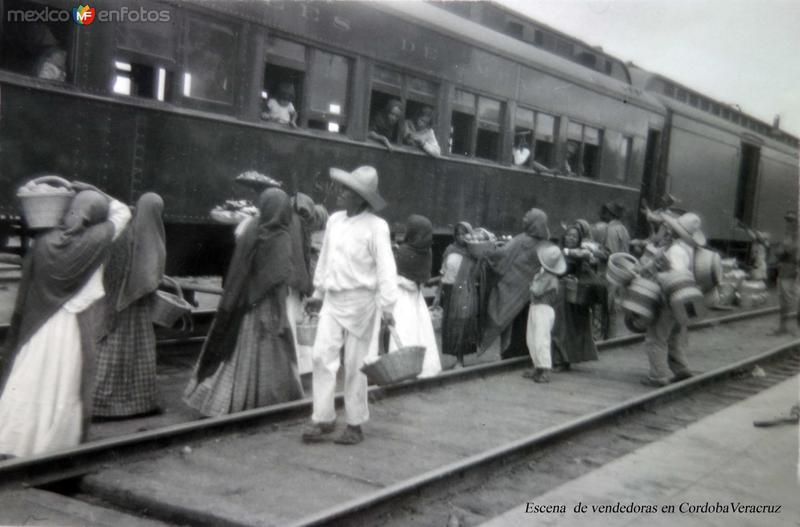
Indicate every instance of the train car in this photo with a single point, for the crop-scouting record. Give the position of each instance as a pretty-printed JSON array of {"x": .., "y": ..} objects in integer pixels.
[
  {"x": 747, "y": 169},
  {"x": 719, "y": 161},
  {"x": 168, "y": 97}
]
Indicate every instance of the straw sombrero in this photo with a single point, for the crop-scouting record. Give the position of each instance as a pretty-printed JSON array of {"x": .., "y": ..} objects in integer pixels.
[
  {"x": 687, "y": 226},
  {"x": 363, "y": 181},
  {"x": 551, "y": 258}
]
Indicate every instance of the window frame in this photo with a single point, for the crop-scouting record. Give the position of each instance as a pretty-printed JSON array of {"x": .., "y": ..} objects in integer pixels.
[
  {"x": 580, "y": 169},
  {"x": 529, "y": 164},
  {"x": 479, "y": 124}
]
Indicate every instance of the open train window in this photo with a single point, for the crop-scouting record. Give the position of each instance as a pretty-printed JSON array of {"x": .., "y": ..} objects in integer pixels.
[
  {"x": 34, "y": 47},
  {"x": 211, "y": 51},
  {"x": 284, "y": 72},
  {"x": 414, "y": 93},
  {"x": 142, "y": 80},
  {"x": 583, "y": 150},
  {"x": 534, "y": 132},
  {"x": 475, "y": 125}
]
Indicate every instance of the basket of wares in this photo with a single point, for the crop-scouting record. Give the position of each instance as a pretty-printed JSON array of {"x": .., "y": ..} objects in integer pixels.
[
  {"x": 168, "y": 308},
  {"x": 480, "y": 242},
  {"x": 400, "y": 365},
  {"x": 233, "y": 211},
  {"x": 44, "y": 200},
  {"x": 256, "y": 180}
]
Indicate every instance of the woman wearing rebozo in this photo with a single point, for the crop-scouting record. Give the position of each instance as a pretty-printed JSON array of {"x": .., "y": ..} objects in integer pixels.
[
  {"x": 248, "y": 360},
  {"x": 47, "y": 361}
]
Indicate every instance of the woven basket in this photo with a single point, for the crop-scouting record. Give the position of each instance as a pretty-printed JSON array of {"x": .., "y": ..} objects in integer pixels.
[
  {"x": 307, "y": 331},
  {"x": 169, "y": 308},
  {"x": 480, "y": 249},
  {"x": 437, "y": 313},
  {"x": 397, "y": 366},
  {"x": 45, "y": 210},
  {"x": 620, "y": 270}
]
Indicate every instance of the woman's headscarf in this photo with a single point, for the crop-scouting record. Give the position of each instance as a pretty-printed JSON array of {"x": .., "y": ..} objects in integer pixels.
[
  {"x": 60, "y": 263},
  {"x": 458, "y": 246},
  {"x": 414, "y": 257},
  {"x": 261, "y": 263},
  {"x": 584, "y": 228},
  {"x": 576, "y": 228},
  {"x": 534, "y": 223},
  {"x": 263, "y": 255},
  {"x": 148, "y": 251}
]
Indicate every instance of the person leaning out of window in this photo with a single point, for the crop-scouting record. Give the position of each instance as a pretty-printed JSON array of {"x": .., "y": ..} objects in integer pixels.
[
  {"x": 384, "y": 125},
  {"x": 280, "y": 109},
  {"x": 419, "y": 132}
]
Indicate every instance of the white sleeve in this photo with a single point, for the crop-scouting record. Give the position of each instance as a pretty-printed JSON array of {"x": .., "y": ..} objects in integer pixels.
[
  {"x": 322, "y": 263},
  {"x": 119, "y": 215},
  {"x": 385, "y": 266},
  {"x": 678, "y": 259}
]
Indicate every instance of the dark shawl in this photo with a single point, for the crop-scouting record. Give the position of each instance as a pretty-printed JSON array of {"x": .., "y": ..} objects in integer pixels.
[
  {"x": 261, "y": 264},
  {"x": 303, "y": 216},
  {"x": 57, "y": 267},
  {"x": 136, "y": 263},
  {"x": 513, "y": 266},
  {"x": 414, "y": 256}
]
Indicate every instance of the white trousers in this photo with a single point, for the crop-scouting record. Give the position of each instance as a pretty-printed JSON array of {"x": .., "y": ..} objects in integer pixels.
[
  {"x": 540, "y": 324},
  {"x": 331, "y": 336}
]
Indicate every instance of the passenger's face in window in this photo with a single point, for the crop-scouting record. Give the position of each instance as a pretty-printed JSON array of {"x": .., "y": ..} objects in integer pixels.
[
  {"x": 423, "y": 122},
  {"x": 395, "y": 114}
]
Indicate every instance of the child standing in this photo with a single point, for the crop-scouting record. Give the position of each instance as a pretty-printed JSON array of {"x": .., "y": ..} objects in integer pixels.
[{"x": 541, "y": 316}]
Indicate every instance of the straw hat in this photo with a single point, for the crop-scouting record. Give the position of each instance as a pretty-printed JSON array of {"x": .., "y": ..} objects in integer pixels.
[
  {"x": 614, "y": 208},
  {"x": 363, "y": 181},
  {"x": 688, "y": 227},
  {"x": 551, "y": 258}
]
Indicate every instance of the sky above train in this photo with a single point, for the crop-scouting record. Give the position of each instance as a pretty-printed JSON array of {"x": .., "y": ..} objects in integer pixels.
[{"x": 740, "y": 52}]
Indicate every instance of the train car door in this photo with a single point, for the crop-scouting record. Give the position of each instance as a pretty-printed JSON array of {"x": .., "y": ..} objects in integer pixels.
[
  {"x": 748, "y": 184},
  {"x": 653, "y": 180}
]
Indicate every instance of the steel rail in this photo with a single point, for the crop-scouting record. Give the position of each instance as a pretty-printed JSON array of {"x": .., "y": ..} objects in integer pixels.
[
  {"x": 530, "y": 443},
  {"x": 84, "y": 458}
]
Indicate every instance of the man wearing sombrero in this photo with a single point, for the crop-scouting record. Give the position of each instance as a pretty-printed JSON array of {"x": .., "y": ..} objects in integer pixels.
[
  {"x": 356, "y": 284},
  {"x": 666, "y": 337}
]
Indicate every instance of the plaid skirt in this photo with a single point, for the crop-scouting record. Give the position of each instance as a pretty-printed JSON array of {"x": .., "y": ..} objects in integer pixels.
[
  {"x": 262, "y": 370},
  {"x": 125, "y": 382}
]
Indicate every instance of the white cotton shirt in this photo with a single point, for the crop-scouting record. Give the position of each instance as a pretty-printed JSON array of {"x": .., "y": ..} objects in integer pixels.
[
  {"x": 281, "y": 114},
  {"x": 450, "y": 267},
  {"x": 681, "y": 256},
  {"x": 357, "y": 255}
]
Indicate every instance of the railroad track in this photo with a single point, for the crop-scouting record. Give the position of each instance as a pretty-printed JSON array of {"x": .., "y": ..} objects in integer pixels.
[{"x": 431, "y": 436}]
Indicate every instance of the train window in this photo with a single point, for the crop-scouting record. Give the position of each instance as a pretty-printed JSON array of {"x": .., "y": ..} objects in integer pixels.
[
  {"x": 726, "y": 114},
  {"x": 583, "y": 150},
  {"x": 329, "y": 78},
  {"x": 284, "y": 72},
  {"x": 209, "y": 61},
  {"x": 693, "y": 100},
  {"x": 40, "y": 49},
  {"x": 414, "y": 93},
  {"x": 142, "y": 80},
  {"x": 705, "y": 104},
  {"x": 669, "y": 90},
  {"x": 514, "y": 29},
  {"x": 422, "y": 87},
  {"x": 682, "y": 95},
  {"x": 475, "y": 125},
  {"x": 386, "y": 76},
  {"x": 534, "y": 132},
  {"x": 544, "y": 145},
  {"x": 715, "y": 108}
]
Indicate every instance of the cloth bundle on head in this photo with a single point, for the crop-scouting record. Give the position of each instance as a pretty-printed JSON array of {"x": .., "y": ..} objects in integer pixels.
[
  {"x": 534, "y": 223},
  {"x": 414, "y": 256}
]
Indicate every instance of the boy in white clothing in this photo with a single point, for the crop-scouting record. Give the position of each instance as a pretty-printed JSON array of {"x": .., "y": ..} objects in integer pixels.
[{"x": 541, "y": 315}]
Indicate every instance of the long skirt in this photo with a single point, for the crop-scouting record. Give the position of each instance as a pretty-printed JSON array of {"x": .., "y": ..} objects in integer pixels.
[
  {"x": 414, "y": 327},
  {"x": 572, "y": 334},
  {"x": 261, "y": 371},
  {"x": 460, "y": 327},
  {"x": 126, "y": 365},
  {"x": 41, "y": 408}
]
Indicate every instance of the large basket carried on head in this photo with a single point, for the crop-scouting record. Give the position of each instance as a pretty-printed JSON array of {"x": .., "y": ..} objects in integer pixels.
[
  {"x": 44, "y": 200},
  {"x": 400, "y": 365},
  {"x": 168, "y": 308}
]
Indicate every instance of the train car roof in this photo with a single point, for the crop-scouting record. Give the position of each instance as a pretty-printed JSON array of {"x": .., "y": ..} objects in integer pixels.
[
  {"x": 642, "y": 78},
  {"x": 490, "y": 40}
]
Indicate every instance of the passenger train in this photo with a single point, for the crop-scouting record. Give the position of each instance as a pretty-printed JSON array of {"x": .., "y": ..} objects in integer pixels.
[{"x": 170, "y": 100}]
